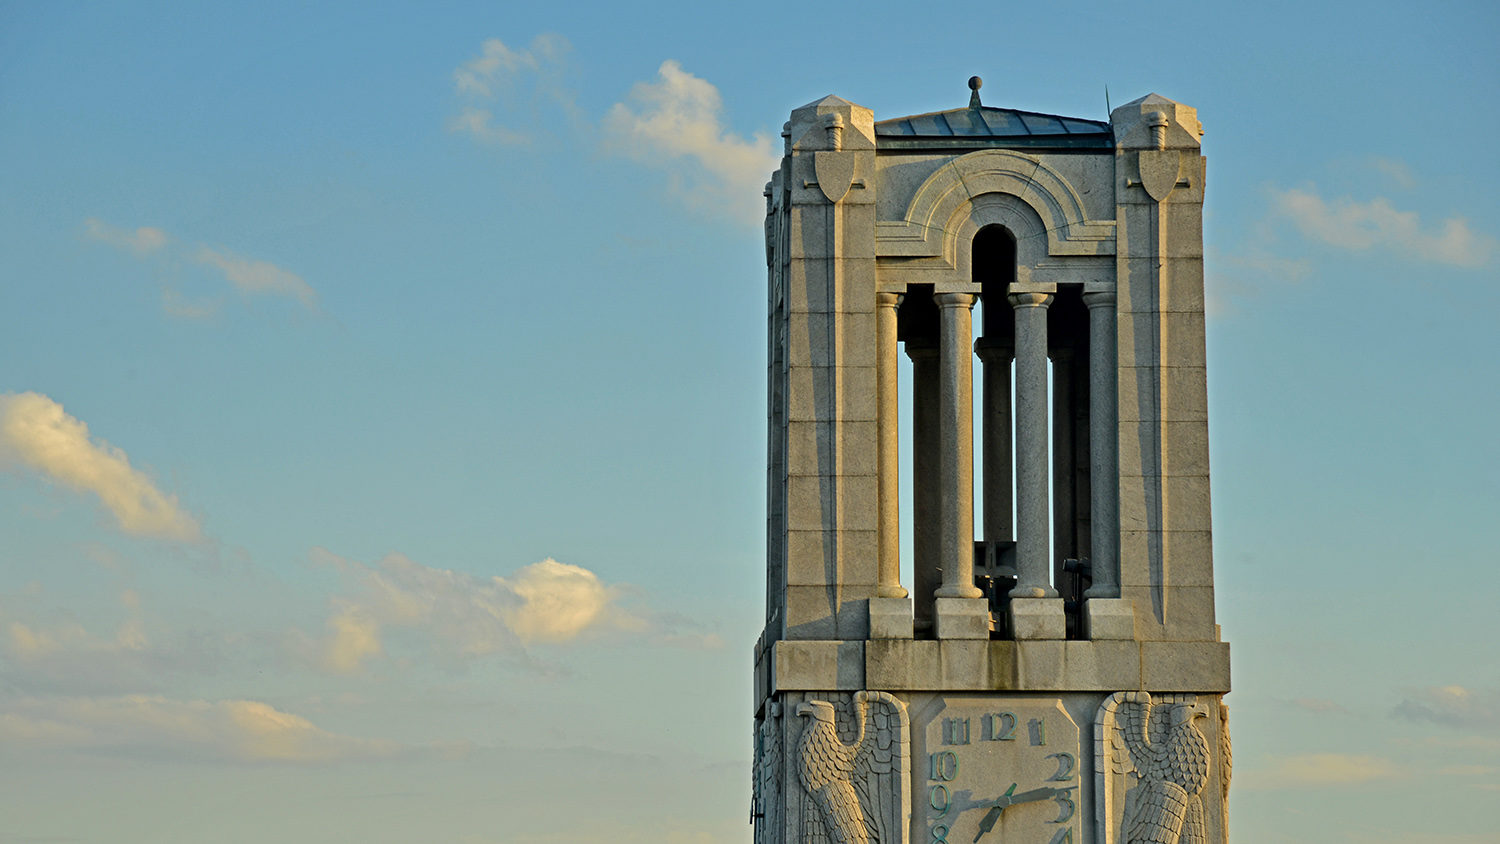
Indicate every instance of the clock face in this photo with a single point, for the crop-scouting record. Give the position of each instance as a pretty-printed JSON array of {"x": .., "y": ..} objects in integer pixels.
[{"x": 996, "y": 769}]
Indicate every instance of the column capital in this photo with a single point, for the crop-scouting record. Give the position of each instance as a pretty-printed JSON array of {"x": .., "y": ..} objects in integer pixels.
[
  {"x": 955, "y": 300},
  {"x": 888, "y": 300},
  {"x": 1099, "y": 298},
  {"x": 995, "y": 349},
  {"x": 921, "y": 351},
  {"x": 1030, "y": 300}
]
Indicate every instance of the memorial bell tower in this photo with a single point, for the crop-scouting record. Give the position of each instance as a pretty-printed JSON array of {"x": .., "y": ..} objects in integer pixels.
[{"x": 1050, "y": 672}]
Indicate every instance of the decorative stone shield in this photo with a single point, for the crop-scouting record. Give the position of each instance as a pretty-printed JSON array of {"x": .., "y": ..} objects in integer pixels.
[
  {"x": 1159, "y": 171},
  {"x": 835, "y": 171}
]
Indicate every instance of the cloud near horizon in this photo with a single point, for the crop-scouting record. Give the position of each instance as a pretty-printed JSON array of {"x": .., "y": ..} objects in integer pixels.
[
  {"x": 1362, "y": 226},
  {"x": 223, "y": 730},
  {"x": 1304, "y": 770},
  {"x": 35, "y": 432},
  {"x": 1476, "y": 710},
  {"x": 465, "y": 615}
]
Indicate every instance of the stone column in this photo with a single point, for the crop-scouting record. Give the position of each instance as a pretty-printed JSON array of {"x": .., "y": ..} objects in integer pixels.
[
  {"x": 888, "y": 576},
  {"x": 924, "y": 474},
  {"x": 1104, "y": 464},
  {"x": 956, "y": 421},
  {"x": 1064, "y": 506},
  {"x": 1031, "y": 446},
  {"x": 995, "y": 428},
  {"x": 961, "y": 611}
]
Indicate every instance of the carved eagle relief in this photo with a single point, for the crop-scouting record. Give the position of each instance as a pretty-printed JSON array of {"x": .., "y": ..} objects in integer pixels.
[
  {"x": 1159, "y": 742},
  {"x": 856, "y": 791}
]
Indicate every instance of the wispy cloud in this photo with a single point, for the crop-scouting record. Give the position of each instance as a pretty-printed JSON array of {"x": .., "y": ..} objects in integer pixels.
[
  {"x": 36, "y": 433},
  {"x": 223, "y": 730},
  {"x": 141, "y": 241},
  {"x": 258, "y": 277},
  {"x": 1462, "y": 708},
  {"x": 1318, "y": 770},
  {"x": 674, "y": 123},
  {"x": 1397, "y": 171},
  {"x": 517, "y": 77},
  {"x": 463, "y": 615},
  {"x": 249, "y": 276},
  {"x": 1354, "y": 225}
]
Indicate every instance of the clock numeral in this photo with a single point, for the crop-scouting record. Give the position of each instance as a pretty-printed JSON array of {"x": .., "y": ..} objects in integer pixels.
[
  {"x": 955, "y": 731},
  {"x": 1066, "y": 806},
  {"x": 943, "y": 766},
  {"x": 1063, "y": 836},
  {"x": 1000, "y": 726},
  {"x": 1038, "y": 732},
  {"x": 939, "y": 799},
  {"x": 1066, "y": 767},
  {"x": 940, "y": 834}
]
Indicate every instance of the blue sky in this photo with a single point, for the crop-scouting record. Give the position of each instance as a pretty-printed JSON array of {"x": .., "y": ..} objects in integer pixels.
[{"x": 381, "y": 441}]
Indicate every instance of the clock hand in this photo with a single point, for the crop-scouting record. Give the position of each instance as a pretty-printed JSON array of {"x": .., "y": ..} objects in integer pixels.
[
  {"x": 993, "y": 815},
  {"x": 1035, "y": 794},
  {"x": 1008, "y": 799}
]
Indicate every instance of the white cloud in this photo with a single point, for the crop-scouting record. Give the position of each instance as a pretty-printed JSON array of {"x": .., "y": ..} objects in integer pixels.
[
  {"x": 463, "y": 614},
  {"x": 247, "y": 275},
  {"x": 501, "y": 72},
  {"x": 1319, "y": 769},
  {"x": 258, "y": 277},
  {"x": 1367, "y": 225},
  {"x": 142, "y": 241},
  {"x": 479, "y": 122},
  {"x": 1453, "y": 706},
  {"x": 497, "y": 64},
  {"x": 224, "y": 730},
  {"x": 1397, "y": 171},
  {"x": 674, "y": 123},
  {"x": 37, "y": 433}
]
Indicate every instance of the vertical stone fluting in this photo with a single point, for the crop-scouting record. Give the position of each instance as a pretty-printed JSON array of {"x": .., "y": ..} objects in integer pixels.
[
  {"x": 995, "y": 434},
  {"x": 925, "y": 478},
  {"x": 1031, "y": 446},
  {"x": 1104, "y": 502},
  {"x": 956, "y": 421},
  {"x": 889, "y": 541}
]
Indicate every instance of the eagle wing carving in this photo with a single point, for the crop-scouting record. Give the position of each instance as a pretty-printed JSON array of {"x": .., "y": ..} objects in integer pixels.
[
  {"x": 1159, "y": 743},
  {"x": 858, "y": 789}
]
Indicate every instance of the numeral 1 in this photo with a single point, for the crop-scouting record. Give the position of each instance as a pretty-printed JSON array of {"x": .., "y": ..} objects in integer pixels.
[{"x": 1038, "y": 732}]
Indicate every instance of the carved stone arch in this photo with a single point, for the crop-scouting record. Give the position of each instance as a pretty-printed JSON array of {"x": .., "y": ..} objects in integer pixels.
[
  {"x": 948, "y": 198},
  {"x": 1001, "y": 209}
]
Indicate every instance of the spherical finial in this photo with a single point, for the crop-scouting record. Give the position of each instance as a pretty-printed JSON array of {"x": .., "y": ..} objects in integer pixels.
[{"x": 975, "y": 83}]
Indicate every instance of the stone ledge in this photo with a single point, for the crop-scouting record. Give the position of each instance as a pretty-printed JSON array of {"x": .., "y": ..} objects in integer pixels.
[
  {"x": 810, "y": 665},
  {"x": 973, "y": 665}
]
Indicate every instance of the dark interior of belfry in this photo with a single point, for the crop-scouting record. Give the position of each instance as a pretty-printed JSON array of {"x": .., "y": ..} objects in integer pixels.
[{"x": 994, "y": 269}]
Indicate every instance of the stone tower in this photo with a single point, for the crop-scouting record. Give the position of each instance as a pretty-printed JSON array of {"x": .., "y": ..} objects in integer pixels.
[{"x": 1051, "y": 672}]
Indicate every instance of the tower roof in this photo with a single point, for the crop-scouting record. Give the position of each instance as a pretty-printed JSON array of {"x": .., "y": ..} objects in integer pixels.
[{"x": 985, "y": 127}]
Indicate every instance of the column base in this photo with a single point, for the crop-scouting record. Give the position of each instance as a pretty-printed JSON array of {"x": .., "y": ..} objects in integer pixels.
[
  {"x": 1109, "y": 618},
  {"x": 1038, "y": 618},
  {"x": 963, "y": 618},
  {"x": 890, "y": 618}
]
